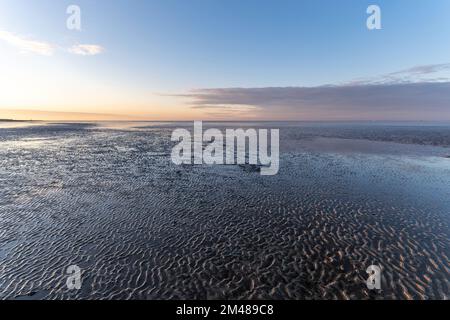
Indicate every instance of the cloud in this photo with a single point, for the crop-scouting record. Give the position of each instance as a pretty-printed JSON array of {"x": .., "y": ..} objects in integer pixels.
[
  {"x": 86, "y": 49},
  {"x": 400, "y": 95},
  {"x": 421, "y": 70},
  {"x": 402, "y": 101},
  {"x": 27, "y": 45},
  {"x": 411, "y": 75}
]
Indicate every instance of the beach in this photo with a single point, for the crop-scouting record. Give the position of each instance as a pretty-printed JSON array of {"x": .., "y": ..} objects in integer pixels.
[{"x": 107, "y": 198}]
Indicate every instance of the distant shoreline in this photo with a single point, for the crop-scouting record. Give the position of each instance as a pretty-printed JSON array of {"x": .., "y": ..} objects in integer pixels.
[
  {"x": 305, "y": 122},
  {"x": 13, "y": 120}
]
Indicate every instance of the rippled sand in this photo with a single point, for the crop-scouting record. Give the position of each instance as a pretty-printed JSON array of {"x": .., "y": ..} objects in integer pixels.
[{"x": 111, "y": 201}]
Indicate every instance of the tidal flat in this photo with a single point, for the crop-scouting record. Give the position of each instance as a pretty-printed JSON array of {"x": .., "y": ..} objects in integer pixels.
[{"x": 107, "y": 198}]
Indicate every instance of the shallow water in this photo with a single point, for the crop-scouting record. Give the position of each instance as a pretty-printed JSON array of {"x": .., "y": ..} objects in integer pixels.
[{"x": 107, "y": 198}]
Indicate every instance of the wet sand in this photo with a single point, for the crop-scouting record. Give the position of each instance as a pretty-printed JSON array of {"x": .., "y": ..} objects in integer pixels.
[{"x": 109, "y": 200}]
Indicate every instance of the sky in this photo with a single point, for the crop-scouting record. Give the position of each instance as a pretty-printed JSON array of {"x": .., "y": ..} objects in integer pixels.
[{"x": 225, "y": 60}]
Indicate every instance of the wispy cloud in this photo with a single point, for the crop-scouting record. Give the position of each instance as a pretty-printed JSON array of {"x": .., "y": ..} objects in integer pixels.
[
  {"x": 25, "y": 44},
  {"x": 390, "y": 100},
  {"x": 86, "y": 49},
  {"x": 421, "y": 70},
  {"x": 423, "y": 73}
]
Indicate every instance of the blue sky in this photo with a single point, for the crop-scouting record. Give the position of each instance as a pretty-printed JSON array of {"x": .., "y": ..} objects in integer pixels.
[{"x": 168, "y": 47}]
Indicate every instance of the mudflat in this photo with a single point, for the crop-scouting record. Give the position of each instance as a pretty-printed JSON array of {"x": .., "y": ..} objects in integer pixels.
[{"x": 109, "y": 199}]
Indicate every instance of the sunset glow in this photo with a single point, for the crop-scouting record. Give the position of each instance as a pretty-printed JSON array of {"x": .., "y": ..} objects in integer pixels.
[{"x": 131, "y": 63}]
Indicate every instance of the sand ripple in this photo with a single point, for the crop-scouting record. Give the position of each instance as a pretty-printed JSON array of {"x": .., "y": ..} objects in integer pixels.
[{"x": 142, "y": 228}]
